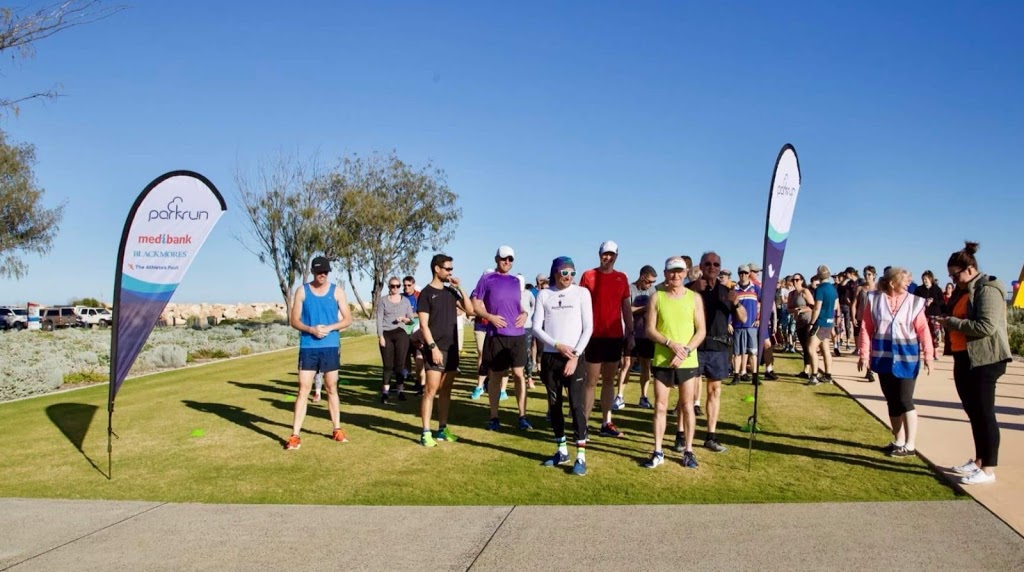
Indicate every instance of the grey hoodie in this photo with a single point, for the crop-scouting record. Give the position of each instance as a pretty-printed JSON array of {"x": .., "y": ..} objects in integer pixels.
[{"x": 985, "y": 325}]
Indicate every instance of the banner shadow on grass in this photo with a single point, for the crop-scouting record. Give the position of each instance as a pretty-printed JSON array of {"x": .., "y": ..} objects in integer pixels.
[{"x": 73, "y": 420}]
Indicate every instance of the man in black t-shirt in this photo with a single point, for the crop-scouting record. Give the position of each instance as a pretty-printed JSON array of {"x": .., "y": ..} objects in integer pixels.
[
  {"x": 934, "y": 302},
  {"x": 437, "y": 307},
  {"x": 847, "y": 294},
  {"x": 713, "y": 353}
]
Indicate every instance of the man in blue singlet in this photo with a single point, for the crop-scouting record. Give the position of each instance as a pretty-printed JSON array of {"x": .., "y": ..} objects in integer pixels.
[{"x": 320, "y": 312}]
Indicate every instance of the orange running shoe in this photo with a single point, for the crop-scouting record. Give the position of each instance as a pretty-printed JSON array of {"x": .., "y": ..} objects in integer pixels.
[
  {"x": 339, "y": 435},
  {"x": 293, "y": 443}
]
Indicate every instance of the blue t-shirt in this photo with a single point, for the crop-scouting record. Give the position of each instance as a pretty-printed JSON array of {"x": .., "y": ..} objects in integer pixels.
[
  {"x": 827, "y": 295},
  {"x": 749, "y": 297}
]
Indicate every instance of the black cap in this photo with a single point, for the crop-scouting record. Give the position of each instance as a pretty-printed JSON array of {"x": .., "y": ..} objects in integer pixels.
[{"x": 321, "y": 264}]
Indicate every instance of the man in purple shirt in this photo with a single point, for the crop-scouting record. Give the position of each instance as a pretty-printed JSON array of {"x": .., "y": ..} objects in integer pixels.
[{"x": 497, "y": 298}]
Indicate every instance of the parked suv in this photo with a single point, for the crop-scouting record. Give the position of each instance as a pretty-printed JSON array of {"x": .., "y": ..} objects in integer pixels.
[
  {"x": 57, "y": 317},
  {"x": 94, "y": 316},
  {"x": 13, "y": 318}
]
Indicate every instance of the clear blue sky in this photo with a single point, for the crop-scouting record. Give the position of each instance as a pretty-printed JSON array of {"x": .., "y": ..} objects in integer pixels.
[{"x": 559, "y": 124}]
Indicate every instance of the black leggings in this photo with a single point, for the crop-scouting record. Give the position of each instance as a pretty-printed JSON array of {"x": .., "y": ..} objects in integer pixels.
[
  {"x": 977, "y": 389},
  {"x": 392, "y": 355},
  {"x": 803, "y": 334},
  {"x": 551, "y": 367},
  {"x": 898, "y": 392}
]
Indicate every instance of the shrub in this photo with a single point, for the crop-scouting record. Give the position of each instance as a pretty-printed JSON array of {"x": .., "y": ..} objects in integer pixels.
[
  {"x": 85, "y": 377},
  {"x": 164, "y": 356},
  {"x": 207, "y": 353},
  {"x": 1015, "y": 316},
  {"x": 23, "y": 380},
  {"x": 1016, "y": 339}
]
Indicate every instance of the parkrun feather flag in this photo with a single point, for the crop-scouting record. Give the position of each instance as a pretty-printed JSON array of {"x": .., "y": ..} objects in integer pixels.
[
  {"x": 782, "y": 195},
  {"x": 166, "y": 227}
]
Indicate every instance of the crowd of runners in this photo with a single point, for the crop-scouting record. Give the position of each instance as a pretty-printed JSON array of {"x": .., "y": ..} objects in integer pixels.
[{"x": 691, "y": 328}]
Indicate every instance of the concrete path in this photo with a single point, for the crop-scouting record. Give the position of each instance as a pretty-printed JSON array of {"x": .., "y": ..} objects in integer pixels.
[
  {"x": 944, "y": 433},
  {"x": 92, "y": 535}
]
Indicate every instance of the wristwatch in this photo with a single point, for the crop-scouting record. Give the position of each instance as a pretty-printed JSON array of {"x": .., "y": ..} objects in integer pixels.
[
  {"x": 575, "y": 352},
  {"x": 431, "y": 345}
]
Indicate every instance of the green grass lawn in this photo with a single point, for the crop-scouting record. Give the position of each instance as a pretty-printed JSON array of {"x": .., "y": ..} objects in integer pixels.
[{"x": 816, "y": 445}]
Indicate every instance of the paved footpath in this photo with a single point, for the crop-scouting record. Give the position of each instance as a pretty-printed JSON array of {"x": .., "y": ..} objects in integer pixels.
[
  {"x": 93, "y": 535},
  {"x": 944, "y": 434}
]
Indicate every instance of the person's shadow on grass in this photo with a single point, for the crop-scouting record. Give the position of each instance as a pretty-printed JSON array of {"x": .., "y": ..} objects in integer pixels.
[
  {"x": 239, "y": 416},
  {"x": 73, "y": 420}
]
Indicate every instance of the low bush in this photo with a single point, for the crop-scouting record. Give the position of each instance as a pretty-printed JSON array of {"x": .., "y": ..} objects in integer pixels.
[
  {"x": 86, "y": 377},
  {"x": 207, "y": 353},
  {"x": 1016, "y": 339}
]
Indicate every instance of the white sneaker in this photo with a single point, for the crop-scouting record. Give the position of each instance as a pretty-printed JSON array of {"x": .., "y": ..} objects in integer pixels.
[
  {"x": 978, "y": 477},
  {"x": 618, "y": 403},
  {"x": 965, "y": 469}
]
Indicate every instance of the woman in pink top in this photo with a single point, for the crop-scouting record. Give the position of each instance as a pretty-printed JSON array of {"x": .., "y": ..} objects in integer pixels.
[{"x": 895, "y": 334}]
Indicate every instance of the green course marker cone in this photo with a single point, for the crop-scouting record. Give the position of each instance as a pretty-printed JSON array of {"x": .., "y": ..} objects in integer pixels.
[
  {"x": 748, "y": 399},
  {"x": 197, "y": 433},
  {"x": 289, "y": 397}
]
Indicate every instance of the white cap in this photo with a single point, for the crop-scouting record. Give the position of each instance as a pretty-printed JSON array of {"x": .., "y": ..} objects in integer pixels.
[
  {"x": 609, "y": 246},
  {"x": 505, "y": 251},
  {"x": 675, "y": 263}
]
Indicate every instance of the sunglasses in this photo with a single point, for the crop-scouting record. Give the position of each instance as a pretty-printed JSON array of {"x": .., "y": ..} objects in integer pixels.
[
  {"x": 321, "y": 273},
  {"x": 448, "y": 268},
  {"x": 394, "y": 285},
  {"x": 742, "y": 272},
  {"x": 714, "y": 264},
  {"x": 798, "y": 280},
  {"x": 407, "y": 285},
  {"x": 507, "y": 259},
  {"x": 567, "y": 272}
]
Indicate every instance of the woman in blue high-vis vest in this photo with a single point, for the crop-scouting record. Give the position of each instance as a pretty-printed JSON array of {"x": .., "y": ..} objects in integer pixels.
[{"x": 894, "y": 341}]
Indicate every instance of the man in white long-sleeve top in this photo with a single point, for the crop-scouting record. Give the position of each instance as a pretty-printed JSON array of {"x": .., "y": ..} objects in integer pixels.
[{"x": 563, "y": 321}]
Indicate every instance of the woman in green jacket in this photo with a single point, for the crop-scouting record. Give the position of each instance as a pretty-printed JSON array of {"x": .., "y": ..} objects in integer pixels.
[{"x": 978, "y": 340}]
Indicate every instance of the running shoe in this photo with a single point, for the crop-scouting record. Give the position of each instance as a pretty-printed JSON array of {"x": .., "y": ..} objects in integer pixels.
[
  {"x": 689, "y": 460},
  {"x": 978, "y": 477},
  {"x": 446, "y": 435},
  {"x": 715, "y": 446},
  {"x": 339, "y": 435},
  {"x": 503, "y": 396},
  {"x": 803, "y": 375},
  {"x": 890, "y": 448},
  {"x": 401, "y": 396},
  {"x": 827, "y": 378},
  {"x": 735, "y": 379},
  {"x": 697, "y": 410},
  {"x": 580, "y": 468},
  {"x": 493, "y": 424},
  {"x": 618, "y": 403},
  {"x": 655, "y": 460},
  {"x": 813, "y": 380},
  {"x": 745, "y": 377},
  {"x": 524, "y": 424},
  {"x": 384, "y": 398},
  {"x": 477, "y": 392},
  {"x": 610, "y": 430},
  {"x": 966, "y": 468},
  {"x": 427, "y": 440},
  {"x": 293, "y": 443},
  {"x": 836, "y": 352},
  {"x": 558, "y": 458},
  {"x": 645, "y": 403},
  {"x": 679, "y": 445},
  {"x": 902, "y": 452},
  {"x": 770, "y": 376},
  {"x": 870, "y": 377}
]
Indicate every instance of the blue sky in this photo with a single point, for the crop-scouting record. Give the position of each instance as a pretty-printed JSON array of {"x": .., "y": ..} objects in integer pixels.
[{"x": 560, "y": 125}]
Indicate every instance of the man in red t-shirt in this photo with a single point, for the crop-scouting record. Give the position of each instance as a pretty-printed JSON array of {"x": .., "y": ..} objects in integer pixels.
[{"x": 609, "y": 292}]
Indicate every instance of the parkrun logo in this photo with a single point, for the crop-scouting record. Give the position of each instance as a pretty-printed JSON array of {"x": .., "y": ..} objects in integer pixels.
[
  {"x": 165, "y": 239},
  {"x": 174, "y": 212},
  {"x": 784, "y": 189}
]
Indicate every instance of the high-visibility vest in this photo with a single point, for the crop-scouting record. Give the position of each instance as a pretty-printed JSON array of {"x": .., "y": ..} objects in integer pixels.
[{"x": 895, "y": 348}]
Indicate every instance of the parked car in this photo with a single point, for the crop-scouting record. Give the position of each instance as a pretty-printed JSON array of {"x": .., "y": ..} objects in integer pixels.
[
  {"x": 94, "y": 316},
  {"x": 60, "y": 317},
  {"x": 13, "y": 318}
]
